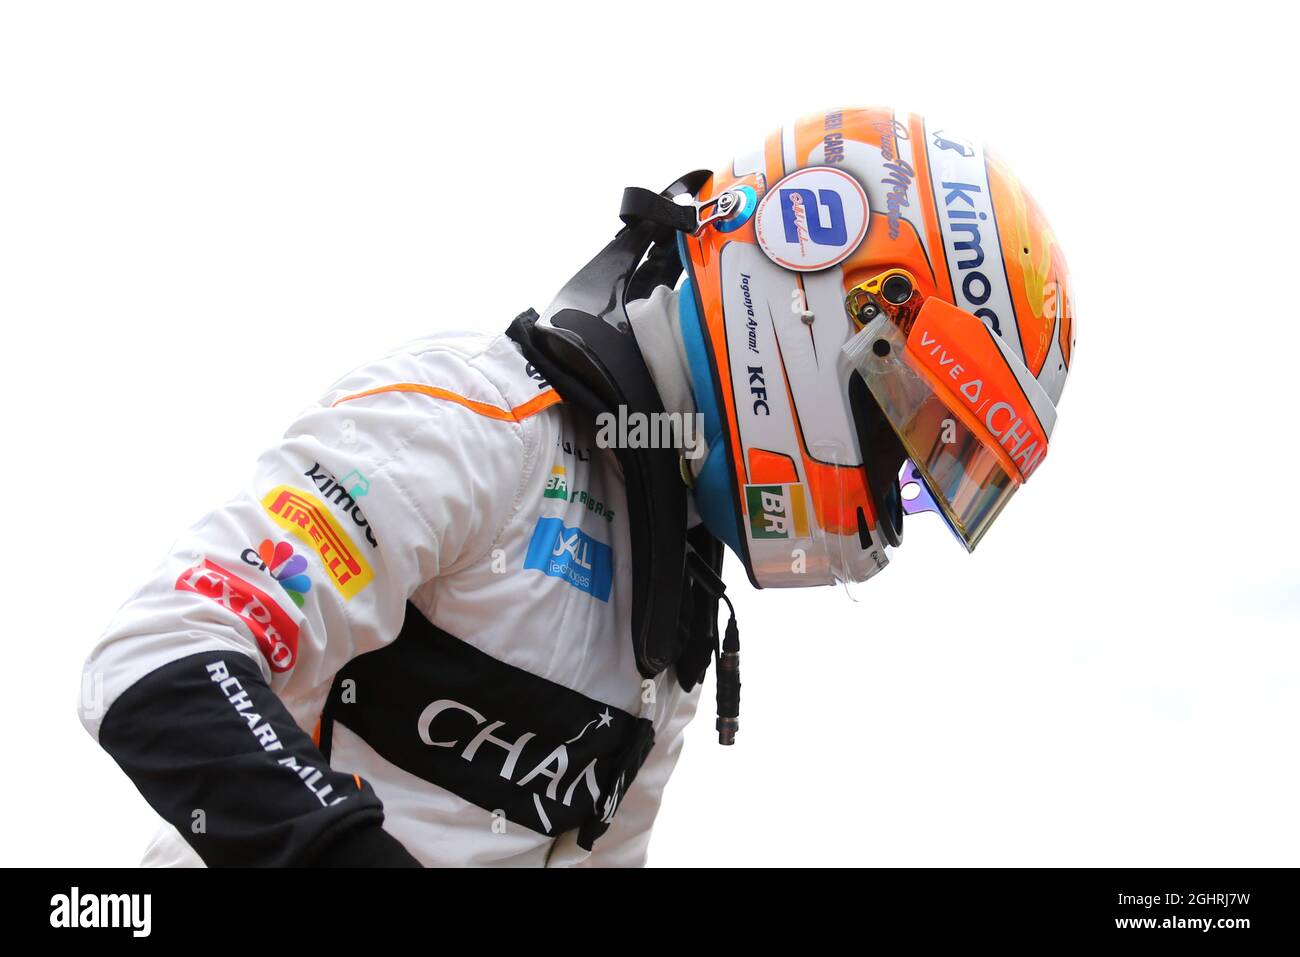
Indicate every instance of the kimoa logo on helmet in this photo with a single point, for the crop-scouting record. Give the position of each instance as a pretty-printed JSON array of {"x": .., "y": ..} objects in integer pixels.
[
  {"x": 812, "y": 219},
  {"x": 964, "y": 209}
]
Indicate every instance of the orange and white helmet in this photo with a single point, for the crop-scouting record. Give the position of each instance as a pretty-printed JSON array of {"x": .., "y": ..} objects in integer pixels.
[{"x": 872, "y": 299}]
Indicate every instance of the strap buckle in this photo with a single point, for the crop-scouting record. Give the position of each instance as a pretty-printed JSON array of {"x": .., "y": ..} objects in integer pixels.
[
  {"x": 728, "y": 203},
  {"x": 728, "y": 207}
]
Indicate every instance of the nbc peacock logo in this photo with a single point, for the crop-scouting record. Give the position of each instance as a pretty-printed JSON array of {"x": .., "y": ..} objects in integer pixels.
[{"x": 283, "y": 564}]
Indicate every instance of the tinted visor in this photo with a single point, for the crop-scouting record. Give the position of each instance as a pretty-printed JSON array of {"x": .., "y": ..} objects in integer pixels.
[{"x": 959, "y": 408}]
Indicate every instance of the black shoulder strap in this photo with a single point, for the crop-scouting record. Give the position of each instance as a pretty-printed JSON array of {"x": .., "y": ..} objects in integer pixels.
[{"x": 645, "y": 205}]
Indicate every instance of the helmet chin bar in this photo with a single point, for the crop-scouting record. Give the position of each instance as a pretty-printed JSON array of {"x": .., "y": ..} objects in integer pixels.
[
  {"x": 859, "y": 554},
  {"x": 817, "y": 477}
]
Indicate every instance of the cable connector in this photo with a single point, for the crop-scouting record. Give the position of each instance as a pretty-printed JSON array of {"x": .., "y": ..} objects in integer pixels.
[{"x": 728, "y": 679}]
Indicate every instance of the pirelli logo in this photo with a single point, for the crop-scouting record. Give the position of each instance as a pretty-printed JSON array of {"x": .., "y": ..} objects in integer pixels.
[{"x": 305, "y": 516}]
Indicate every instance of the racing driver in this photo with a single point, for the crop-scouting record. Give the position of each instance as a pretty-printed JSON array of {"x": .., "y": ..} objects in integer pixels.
[{"x": 461, "y": 613}]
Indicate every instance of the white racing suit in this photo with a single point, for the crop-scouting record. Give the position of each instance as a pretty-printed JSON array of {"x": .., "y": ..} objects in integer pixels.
[{"x": 409, "y": 633}]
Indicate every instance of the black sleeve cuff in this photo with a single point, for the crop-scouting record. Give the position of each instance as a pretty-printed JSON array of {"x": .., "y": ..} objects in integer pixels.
[{"x": 367, "y": 846}]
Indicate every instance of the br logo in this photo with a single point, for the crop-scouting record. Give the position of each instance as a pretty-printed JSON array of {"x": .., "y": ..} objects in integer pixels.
[
  {"x": 776, "y": 511},
  {"x": 812, "y": 219}
]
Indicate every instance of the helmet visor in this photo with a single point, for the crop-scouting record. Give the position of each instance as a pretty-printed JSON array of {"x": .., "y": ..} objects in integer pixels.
[{"x": 965, "y": 416}]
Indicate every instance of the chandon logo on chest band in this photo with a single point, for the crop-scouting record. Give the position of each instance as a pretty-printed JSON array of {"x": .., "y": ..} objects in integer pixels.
[
  {"x": 504, "y": 739},
  {"x": 553, "y": 767}
]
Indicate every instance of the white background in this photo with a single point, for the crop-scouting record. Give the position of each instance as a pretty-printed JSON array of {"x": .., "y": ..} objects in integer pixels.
[{"x": 208, "y": 212}]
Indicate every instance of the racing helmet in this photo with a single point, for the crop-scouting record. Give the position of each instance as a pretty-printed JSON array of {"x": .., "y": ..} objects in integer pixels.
[{"x": 873, "y": 304}]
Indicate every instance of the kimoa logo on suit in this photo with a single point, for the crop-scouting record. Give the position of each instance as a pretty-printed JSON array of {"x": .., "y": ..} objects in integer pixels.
[{"x": 345, "y": 497}]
